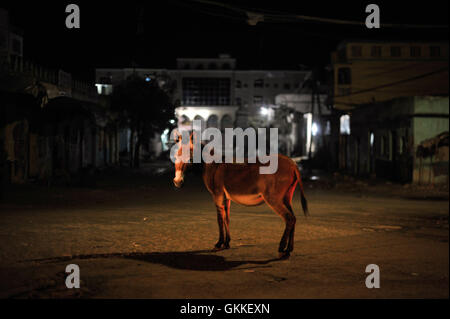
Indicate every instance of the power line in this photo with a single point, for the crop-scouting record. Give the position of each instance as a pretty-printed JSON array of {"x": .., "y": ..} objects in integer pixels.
[
  {"x": 264, "y": 16},
  {"x": 395, "y": 83}
]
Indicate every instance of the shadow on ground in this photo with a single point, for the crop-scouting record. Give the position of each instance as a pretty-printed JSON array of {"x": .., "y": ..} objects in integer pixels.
[{"x": 201, "y": 260}]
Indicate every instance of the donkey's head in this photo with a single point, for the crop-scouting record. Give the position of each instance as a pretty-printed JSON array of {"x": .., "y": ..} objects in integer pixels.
[{"x": 182, "y": 159}]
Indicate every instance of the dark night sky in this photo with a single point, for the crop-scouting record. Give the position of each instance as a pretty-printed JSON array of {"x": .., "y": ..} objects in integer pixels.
[{"x": 176, "y": 28}]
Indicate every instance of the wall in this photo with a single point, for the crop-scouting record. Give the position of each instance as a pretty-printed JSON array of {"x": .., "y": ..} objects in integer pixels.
[
  {"x": 399, "y": 126},
  {"x": 382, "y": 78},
  {"x": 431, "y": 119}
]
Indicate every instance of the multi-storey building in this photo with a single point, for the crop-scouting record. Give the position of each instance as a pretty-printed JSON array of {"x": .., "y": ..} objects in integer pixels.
[
  {"x": 395, "y": 96},
  {"x": 375, "y": 71},
  {"x": 213, "y": 90}
]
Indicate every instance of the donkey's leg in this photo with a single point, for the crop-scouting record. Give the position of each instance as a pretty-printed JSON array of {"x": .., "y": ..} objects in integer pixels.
[
  {"x": 227, "y": 204},
  {"x": 287, "y": 200},
  {"x": 290, "y": 245},
  {"x": 280, "y": 208},
  {"x": 221, "y": 214}
]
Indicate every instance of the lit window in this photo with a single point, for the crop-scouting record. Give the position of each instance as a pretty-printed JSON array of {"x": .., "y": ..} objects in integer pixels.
[
  {"x": 345, "y": 125},
  {"x": 328, "y": 128}
]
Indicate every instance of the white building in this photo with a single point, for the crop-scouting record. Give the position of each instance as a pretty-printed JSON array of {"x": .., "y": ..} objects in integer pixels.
[{"x": 213, "y": 90}]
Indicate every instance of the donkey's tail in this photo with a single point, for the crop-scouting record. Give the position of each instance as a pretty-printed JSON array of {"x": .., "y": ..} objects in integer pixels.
[{"x": 302, "y": 193}]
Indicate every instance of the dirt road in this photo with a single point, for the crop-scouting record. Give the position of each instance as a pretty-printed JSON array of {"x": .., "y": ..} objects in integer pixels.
[{"x": 134, "y": 236}]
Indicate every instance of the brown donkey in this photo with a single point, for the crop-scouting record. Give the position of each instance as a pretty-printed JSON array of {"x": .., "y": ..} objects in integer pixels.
[{"x": 243, "y": 184}]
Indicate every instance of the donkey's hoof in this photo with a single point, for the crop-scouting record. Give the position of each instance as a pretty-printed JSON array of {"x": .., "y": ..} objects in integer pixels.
[
  {"x": 284, "y": 255},
  {"x": 218, "y": 247},
  {"x": 226, "y": 246}
]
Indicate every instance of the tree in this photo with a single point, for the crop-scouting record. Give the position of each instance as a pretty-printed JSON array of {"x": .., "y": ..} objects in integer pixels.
[{"x": 143, "y": 107}]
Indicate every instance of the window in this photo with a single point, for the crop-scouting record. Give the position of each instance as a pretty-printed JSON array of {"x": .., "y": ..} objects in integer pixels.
[
  {"x": 259, "y": 83},
  {"x": 435, "y": 51},
  {"x": 376, "y": 51},
  {"x": 396, "y": 51},
  {"x": 206, "y": 91},
  {"x": 213, "y": 121},
  {"x": 371, "y": 140},
  {"x": 267, "y": 85},
  {"x": 187, "y": 66},
  {"x": 257, "y": 100},
  {"x": 328, "y": 128},
  {"x": 105, "y": 80},
  {"x": 238, "y": 84},
  {"x": 226, "y": 66},
  {"x": 415, "y": 51},
  {"x": 341, "y": 55},
  {"x": 212, "y": 66},
  {"x": 238, "y": 101},
  {"x": 356, "y": 51},
  {"x": 403, "y": 145},
  {"x": 275, "y": 85},
  {"x": 345, "y": 125},
  {"x": 344, "y": 76},
  {"x": 287, "y": 86}
]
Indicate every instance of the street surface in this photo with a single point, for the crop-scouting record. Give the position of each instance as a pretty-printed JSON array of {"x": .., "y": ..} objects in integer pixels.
[{"x": 134, "y": 236}]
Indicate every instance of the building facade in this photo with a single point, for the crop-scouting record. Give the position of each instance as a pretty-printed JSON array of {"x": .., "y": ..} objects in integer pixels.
[
  {"x": 213, "y": 90},
  {"x": 11, "y": 40},
  {"x": 391, "y": 96},
  {"x": 367, "y": 72}
]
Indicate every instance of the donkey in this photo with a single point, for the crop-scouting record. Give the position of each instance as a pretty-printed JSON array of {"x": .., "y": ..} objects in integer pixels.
[{"x": 243, "y": 184}]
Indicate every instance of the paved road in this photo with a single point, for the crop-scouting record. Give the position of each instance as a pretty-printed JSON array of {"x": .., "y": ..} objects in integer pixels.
[{"x": 134, "y": 236}]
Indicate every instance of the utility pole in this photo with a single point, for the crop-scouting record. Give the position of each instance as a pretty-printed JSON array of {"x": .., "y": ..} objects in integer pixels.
[{"x": 139, "y": 34}]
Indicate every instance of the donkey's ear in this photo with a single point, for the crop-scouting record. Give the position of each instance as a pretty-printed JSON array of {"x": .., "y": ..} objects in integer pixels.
[{"x": 176, "y": 135}]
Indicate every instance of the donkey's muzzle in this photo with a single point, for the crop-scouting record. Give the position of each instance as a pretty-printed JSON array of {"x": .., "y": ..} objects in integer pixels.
[{"x": 178, "y": 184}]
